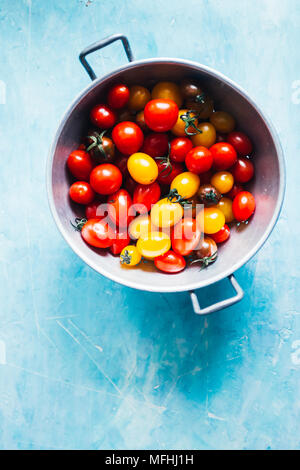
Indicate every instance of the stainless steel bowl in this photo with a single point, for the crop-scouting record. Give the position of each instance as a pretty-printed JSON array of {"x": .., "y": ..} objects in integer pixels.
[{"x": 268, "y": 185}]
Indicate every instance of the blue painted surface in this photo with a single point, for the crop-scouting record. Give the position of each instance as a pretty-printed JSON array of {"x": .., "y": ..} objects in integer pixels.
[{"x": 85, "y": 363}]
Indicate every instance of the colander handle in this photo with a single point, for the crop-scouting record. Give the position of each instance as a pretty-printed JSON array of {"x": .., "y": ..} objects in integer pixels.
[
  {"x": 219, "y": 305},
  {"x": 99, "y": 45}
]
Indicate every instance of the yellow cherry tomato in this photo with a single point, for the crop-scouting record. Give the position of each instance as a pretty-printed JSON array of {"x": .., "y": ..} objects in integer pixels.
[
  {"x": 167, "y": 91},
  {"x": 139, "y": 97},
  {"x": 166, "y": 213},
  {"x": 154, "y": 244},
  {"x": 187, "y": 184},
  {"x": 208, "y": 135},
  {"x": 210, "y": 220},
  {"x": 222, "y": 121},
  {"x": 139, "y": 227},
  {"x": 179, "y": 128},
  {"x": 130, "y": 256},
  {"x": 225, "y": 205},
  {"x": 222, "y": 181},
  {"x": 142, "y": 168}
]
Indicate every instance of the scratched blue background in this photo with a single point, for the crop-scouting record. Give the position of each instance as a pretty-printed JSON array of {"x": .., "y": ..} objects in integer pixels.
[{"x": 86, "y": 363}]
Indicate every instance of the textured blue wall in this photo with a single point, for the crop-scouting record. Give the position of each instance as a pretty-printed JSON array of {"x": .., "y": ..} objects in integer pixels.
[{"x": 85, "y": 363}]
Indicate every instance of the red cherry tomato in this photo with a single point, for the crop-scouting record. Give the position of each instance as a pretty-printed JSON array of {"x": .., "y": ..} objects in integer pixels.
[
  {"x": 241, "y": 143},
  {"x": 236, "y": 188},
  {"x": 120, "y": 241},
  {"x": 97, "y": 233},
  {"x": 128, "y": 137},
  {"x": 224, "y": 155},
  {"x": 91, "y": 210},
  {"x": 106, "y": 178},
  {"x": 179, "y": 148},
  {"x": 243, "y": 206},
  {"x": 118, "y": 96},
  {"x": 121, "y": 163},
  {"x": 80, "y": 164},
  {"x": 130, "y": 184},
  {"x": 81, "y": 192},
  {"x": 185, "y": 236},
  {"x": 156, "y": 145},
  {"x": 170, "y": 262},
  {"x": 199, "y": 160},
  {"x": 102, "y": 116},
  {"x": 119, "y": 204},
  {"x": 243, "y": 170},
  {"x": 222, "y": 235},
  {"x": 166, "y": 174},
  {"x": 161, "y": 115},
  {"x": 145, "y": 195}
]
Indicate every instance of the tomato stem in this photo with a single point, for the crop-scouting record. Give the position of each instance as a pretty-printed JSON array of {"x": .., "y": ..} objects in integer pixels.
[
  {"x": 200, "y": 98},
  {"x": 206, "y": 261},
  {"x": 166, "y": 159},
  {"x": 97, "y": 141},
  {"x": 190, "y": 122},
  {"x": 174, "y": 194},
  {"x": 79, "y": 223},
  {"x": 125, "y": 258}
]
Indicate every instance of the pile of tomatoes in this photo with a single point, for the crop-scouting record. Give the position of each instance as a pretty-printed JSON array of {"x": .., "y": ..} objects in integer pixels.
[{"x": 161, "y": 175}]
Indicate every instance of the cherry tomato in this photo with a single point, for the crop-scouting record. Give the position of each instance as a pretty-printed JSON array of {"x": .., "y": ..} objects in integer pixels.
[
  {"x": 222, "y": 235},
  {"x": 236, "y": 188},
  {"x": 128, "y": 137},
  {"x": 207, "y": 248},
  {"x": 142, "y": 168},
  {"x": 207, "y": 137},
  {"x": 140, "y": 226},
  {"x": 180, "y": 129},
  {"x": 243, "y": 206},
  {"x": 186, "y": 184},
  {"x": 140, "y": 120},
  {"x": 125, "y": 115},
  {"x": 199, "y": 160},
  {"x": 222, "y": 181},
  {"x": 166, "y": 213},
  {"x": 119, "y": 204},
  {"x": 106, "y": 178},
  {"x": 97, "y": 233},
  {"x": 145, "y": 195},
  {"x": 91, "y": 210},
  {"x": 130, "y": 184},
  {"x": 210, "y": 220},
  {"x": 208, "y": 194},
  {"x": 241, "y": 143},
  {"x": 191, "y": 89},
  {"x": 185, "y": 236},
  {"x": 167, "y": 91},
  {"x": 121, "y": 163},
  {"x": 139, "y": 97},
  {"x": 224, "y": 155},
  {"x": 153, "y": 244},
  {"x": 170, "y": 262},
  {"x": 81, "y": 192},
  {"x": 222, "y": 121},
  {"x": 156, "y": 144},
  {"x": 243, "y": 170},
  {"x": 102, "y": 116},
  {"x": 130, "y": 256},
  {"x": 179, "y": 148},
  {"x": 118, "y": 96},
  {"x": 161, "y": 115},
  {"x": 80, "y": 164},
  {"x": 225, "y": 205},
  {"x": 167, "y": 173},
  {"x": 100, "y": 147},
  {"x": 120, "y": 241}
]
